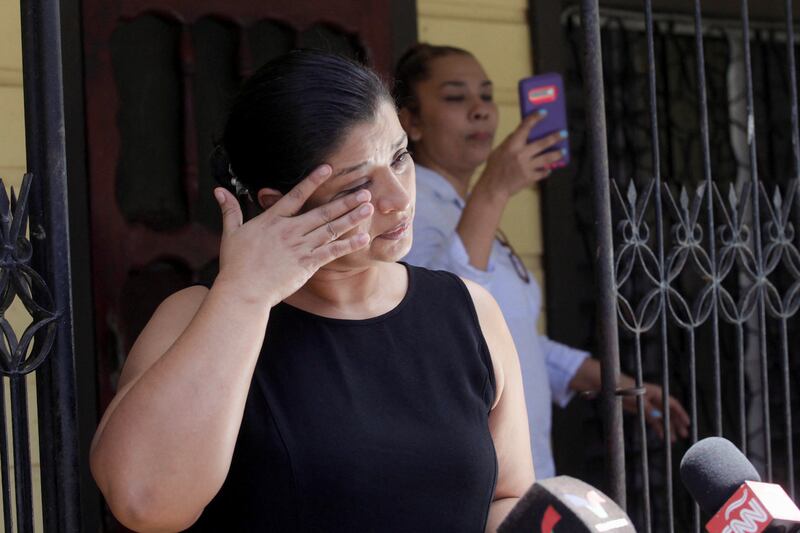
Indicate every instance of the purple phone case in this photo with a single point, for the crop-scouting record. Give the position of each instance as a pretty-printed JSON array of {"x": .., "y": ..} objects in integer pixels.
[{"x": 546, "y": 91}]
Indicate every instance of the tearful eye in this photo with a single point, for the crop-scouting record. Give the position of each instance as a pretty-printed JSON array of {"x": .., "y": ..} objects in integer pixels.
[
  {"x": 400, "y": 161},
  {"x": 357, "y": 188},
  {"x": 351, "y": 190}
]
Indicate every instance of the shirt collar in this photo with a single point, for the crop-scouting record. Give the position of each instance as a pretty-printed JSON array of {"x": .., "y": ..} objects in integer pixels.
[{"x": 442, "y": 188}]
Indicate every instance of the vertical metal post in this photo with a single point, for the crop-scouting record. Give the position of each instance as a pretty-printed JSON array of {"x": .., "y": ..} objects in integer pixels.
[
  {"x": 757, "y": 246},
  {"x": 664, "y": 278},
  {"x": 608, "y": 341},
  {"x": 46, "y": 159},
  {"x": 4, "y": 462},
  {"x": 702, "y": 107},
  {"x": 23, "y": 487},
  {"x": 796, "y": 153},
  {"x": 791, "y": 66}
]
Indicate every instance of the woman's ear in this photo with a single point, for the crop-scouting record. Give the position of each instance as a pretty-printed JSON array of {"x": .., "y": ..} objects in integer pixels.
[
  {"x": 410, "y": 122},
  {"x": 267, "y": 197}
]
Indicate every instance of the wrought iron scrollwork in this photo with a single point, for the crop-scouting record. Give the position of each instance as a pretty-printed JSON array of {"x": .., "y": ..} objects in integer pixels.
[
  {"x": 730, "y": 278},
  {"x": 23, "y": 354},
  {"x": 18, "y": 280}
]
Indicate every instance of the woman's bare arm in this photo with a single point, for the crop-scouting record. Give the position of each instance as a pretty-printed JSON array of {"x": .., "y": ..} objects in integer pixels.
[
  {"x": 164, "y": 446},
  {"x": 508, "y": 421},
  {"x": 511, "y": 167}
]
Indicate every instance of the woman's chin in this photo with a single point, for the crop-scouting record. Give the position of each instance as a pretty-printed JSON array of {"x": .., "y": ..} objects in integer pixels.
[
  {"x": 379, "y": 251},
  {"x": 477, "y": 156},
  {"x": 393, "y": 252},
  {"x": 390, "y": 250}
]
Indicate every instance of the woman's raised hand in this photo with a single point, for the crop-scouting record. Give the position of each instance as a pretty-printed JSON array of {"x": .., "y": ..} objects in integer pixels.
[
  {"x": 271, "y": 256},
  {"x": 514, "y": 164}
]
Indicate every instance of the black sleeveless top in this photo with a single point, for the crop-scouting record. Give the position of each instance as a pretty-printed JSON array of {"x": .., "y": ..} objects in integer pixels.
[{"x": 376, "y": 425}]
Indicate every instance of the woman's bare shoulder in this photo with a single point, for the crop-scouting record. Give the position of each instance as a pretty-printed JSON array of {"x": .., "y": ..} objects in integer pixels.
[
  {"x": 168, "y": 322},
  {"x": 495, "y": 332},
  {"x": 489, "y": 313},
  {"x": 176, "y": 311}
]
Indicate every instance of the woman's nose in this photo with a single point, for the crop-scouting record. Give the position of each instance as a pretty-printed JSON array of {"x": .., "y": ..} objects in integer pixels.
[
  {"x": 393, "y": 195},
  {"x": 480, "y": 110}
]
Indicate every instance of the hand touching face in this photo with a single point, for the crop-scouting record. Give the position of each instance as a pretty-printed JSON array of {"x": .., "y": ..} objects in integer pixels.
[
  {"x": 272, "y": 255},
  {"x": 374, "y": 157}
]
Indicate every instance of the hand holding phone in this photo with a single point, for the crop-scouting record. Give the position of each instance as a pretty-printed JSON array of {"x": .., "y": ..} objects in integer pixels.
[{"x": 545, "y": 92}]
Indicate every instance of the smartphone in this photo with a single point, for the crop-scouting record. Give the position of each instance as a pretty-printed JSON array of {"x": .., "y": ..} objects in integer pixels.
[{"x": 546, "y": 91}]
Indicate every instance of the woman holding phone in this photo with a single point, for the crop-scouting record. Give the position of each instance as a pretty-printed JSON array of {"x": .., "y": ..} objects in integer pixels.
[
  {"x": 317, "y": 384},
  {"x": 445, "y": 104}
]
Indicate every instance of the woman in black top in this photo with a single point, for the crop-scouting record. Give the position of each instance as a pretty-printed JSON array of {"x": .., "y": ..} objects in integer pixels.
[{"x": 318, "y": 385}]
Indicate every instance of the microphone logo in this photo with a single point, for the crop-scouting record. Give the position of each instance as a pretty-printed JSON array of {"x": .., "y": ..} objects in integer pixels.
[
  {"x": 751, "y": 517},
  {"x": 550, "y": 519},
  {"x": 593, "y": 501}
]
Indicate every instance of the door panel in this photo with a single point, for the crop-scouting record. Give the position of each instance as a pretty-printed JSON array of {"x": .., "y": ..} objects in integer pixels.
[{"x": 158, "y": 77}]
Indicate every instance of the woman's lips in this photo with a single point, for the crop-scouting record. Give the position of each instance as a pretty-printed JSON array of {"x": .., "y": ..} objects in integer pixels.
[
  {"x": 481, "y": 136},
  {"x": 397, "y": 232}
]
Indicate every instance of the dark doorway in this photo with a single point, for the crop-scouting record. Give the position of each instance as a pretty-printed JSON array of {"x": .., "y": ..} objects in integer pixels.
[{"x": 156, "y": 81}]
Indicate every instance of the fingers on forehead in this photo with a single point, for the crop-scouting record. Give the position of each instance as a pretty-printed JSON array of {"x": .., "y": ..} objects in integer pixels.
[{"x": 303, "y": 190}]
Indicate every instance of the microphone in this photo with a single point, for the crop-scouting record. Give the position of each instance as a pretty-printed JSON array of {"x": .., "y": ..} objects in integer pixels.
[
  {"x": 565, "y": 505},
  {"x": 727, "y": 486}
]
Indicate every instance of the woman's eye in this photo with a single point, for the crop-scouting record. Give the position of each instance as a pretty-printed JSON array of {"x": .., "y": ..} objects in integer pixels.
[
  {"x": 401, "y": 160},
  {"x": 351, "y": 190},
  {"x": 487, "y": 97},
  {"x": 454, "y": 98},
  {"x": 359, "y": 187}
]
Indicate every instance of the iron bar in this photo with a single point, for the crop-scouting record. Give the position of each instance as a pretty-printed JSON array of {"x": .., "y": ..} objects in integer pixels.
[
  {"x": 693, "y": 406},
  {"x": 702, "y": 106},
  {"x": 4, "y": 463},
  {"x": 741, "y": 385},
  {"x": 792, "y": 66},
  {"x": 608, "y": 341},
  {"x": 23, "y": 489},
  {"x": 620, "y": 170},
  {"x": 760, "y": 274},
  {"x": 46, "y": 160},
  {"x": 788, "y": 405},
  {"x": 663, "y": 278},
  {"x": 796, "y": 152},
  {"x": 645, "y": 465}
]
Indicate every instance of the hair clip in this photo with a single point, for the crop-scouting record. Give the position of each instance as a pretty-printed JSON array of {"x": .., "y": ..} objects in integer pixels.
[{"x": 240, "y": 188}]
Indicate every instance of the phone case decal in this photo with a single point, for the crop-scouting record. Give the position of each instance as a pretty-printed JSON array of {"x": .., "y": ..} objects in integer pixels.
[{"x": 546, "y": 91}]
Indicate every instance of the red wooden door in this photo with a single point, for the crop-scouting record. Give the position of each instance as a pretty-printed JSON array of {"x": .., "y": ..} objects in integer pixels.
[{"x": 158, "y": 74}]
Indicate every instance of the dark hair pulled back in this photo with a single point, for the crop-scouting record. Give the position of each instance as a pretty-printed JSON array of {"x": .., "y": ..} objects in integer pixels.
[
  {"x": 290, "y": 116},
  {"x": 414, "y": 67}
]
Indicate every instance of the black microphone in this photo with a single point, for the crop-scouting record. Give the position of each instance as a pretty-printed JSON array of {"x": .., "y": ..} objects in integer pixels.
[
  {"x": 565, "y": 505},
  {"x": 726, "y": 485}
]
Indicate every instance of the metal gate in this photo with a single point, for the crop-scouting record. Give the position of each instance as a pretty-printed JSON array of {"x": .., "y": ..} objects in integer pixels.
[
  {"x": 35, "y": 271},
  {"x": 696, "y": 273}
]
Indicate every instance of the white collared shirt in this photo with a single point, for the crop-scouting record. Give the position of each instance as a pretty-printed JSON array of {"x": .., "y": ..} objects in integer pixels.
[{"x": 547, "y": 366}]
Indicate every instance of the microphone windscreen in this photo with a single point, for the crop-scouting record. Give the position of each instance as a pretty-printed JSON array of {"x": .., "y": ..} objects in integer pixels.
[{"x": 712, "y": 470}]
